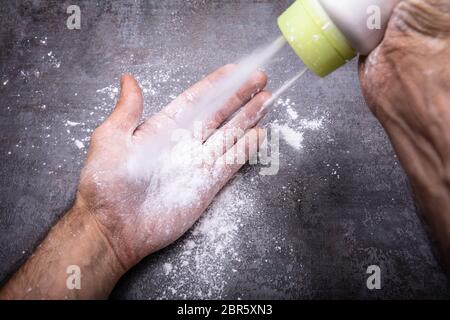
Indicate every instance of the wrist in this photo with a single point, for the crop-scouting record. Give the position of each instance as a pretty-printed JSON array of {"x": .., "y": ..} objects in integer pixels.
[
  {"x": 80, "y": 247},
  {"x": 93, "y": 244},
  {"x": 420, "y": 135},
  {"x": 75, "y": 261},
  {"x": 108, "y": 228}
]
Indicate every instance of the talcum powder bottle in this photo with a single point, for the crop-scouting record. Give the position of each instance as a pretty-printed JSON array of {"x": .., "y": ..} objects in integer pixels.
[{"x": 326, "y": 34}]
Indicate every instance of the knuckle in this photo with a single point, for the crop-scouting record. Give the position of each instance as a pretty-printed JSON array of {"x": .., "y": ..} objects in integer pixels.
[{"x": 261, "y": 77}]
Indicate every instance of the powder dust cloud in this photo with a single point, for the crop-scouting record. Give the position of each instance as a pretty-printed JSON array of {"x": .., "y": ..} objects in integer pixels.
[{"x": 208, "y": 104}]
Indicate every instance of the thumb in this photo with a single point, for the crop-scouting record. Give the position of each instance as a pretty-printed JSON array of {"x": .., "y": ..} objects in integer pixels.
[{"x": 128, "y": 110}]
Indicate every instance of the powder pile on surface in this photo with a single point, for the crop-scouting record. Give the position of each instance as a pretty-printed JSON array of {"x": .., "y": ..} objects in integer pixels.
[
  {"x": 292, "y": 137},
  {"x": 291, "y": 128},
  {"x": 79, "y": 144},
  {"x": 292, "y": 113},
  {"x": 314, "y": 124},
  {"x": 211, "y": 251}
]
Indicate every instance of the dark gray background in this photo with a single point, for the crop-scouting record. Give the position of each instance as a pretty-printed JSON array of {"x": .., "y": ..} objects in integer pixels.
[{"x": 338, "y": 205}]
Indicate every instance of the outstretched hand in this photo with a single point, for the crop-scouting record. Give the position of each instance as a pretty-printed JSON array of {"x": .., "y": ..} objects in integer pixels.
[
  {"x": 142, "y": 187},
  {"x": 146, "y": 191}
]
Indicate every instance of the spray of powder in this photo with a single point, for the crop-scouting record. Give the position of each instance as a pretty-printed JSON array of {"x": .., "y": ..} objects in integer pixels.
[
  {"x": 210, "y": 103},
  {"x": 205, "y": 108},
  {"x": 283, "y": 88}
]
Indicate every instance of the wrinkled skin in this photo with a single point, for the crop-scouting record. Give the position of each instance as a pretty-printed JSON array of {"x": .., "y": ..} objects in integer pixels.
[
  {"x": 128, "y": 209},
  {"x": 406, "y": 82}
]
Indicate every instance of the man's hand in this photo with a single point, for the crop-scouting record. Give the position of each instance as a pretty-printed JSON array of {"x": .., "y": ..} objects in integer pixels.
[
  {"x": 134, "y": 197},
  {"x": 406, "y": 82},
  {"x": 145, "y": 193}
]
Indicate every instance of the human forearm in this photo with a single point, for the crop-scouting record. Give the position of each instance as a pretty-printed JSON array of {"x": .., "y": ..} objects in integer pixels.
[
  {"x": 75, "y": 240},
  {"x": 405, "y": 83},
  {"x": 426, "y": 163}
]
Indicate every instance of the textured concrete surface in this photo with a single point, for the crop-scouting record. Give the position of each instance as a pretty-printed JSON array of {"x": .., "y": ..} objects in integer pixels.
[{"x": 338, "y": 205}]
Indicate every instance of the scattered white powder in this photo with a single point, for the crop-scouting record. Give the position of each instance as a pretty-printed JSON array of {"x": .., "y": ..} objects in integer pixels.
[
  {"x": 111, "y": 90},
  {"x": 167, "y": 267},
  {"x": 79, "y": 144},
  {"x": 283, "y": 102},
  {"x": 72, "y": 124},
  {"x": 314, "y": 124},
  {"x": 202, "y": 263},
  {"x": 53, "y": 61},
  {"x": 292, "y": 129},
  {"x": 292, "y": 137},
  {"x": 190, "y": 244},
  {"x": 292, "y": 113}
]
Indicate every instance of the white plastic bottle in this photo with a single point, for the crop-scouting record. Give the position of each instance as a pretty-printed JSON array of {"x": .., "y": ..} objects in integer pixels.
[{"x": 326, "y": 34}]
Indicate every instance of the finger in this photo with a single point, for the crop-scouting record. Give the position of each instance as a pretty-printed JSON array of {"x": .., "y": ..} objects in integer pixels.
[
  {"x": 166, "y": 117},
  {"x": 249, "y": 89},
  {"x": 230, "y": 163},
  {"x": 129, "y": 107},
  {"x": 194, "y": 94},
  {"x": 247, "y": 117},
  {"x": 189, "y": 101}
]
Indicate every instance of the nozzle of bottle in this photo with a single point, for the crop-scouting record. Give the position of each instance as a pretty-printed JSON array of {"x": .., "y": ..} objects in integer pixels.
[{"x": 326, "y": 34}]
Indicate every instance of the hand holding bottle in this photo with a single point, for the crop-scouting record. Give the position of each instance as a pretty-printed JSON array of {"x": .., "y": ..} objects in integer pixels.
[{"x": 405, "y": 81}]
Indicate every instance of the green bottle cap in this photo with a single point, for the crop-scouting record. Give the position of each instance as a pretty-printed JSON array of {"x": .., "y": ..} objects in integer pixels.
[{"x": 314, "y": 37}]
